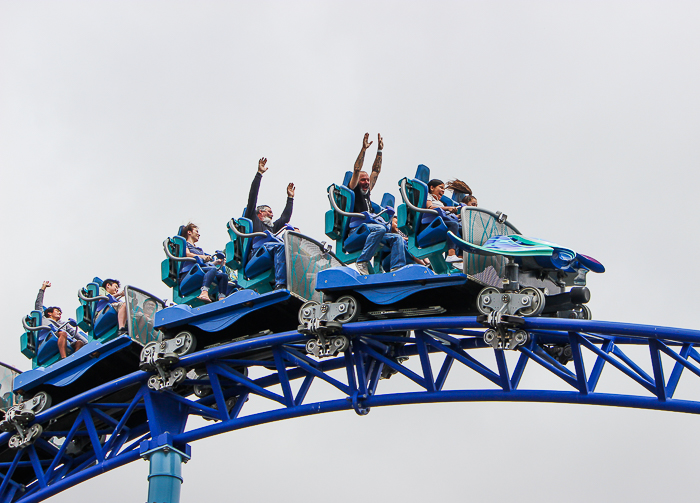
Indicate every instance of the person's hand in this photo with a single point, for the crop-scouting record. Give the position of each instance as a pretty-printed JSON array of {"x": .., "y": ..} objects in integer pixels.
[
  {"x": 218, "y": 261},
  {"x": 261, "y": 165},
  {"x": 45, "y": 285},
  {"x": 380, "y": 142},
  {"x": 290, "y": 190},
  {"x": 365, "y": 142}
]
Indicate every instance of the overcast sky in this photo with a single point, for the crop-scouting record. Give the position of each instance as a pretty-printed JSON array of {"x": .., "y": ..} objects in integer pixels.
[{"x": 120, "y": 121}]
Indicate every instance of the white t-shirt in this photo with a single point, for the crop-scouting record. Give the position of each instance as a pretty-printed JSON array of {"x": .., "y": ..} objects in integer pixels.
[{"x": 435, "y": 201}]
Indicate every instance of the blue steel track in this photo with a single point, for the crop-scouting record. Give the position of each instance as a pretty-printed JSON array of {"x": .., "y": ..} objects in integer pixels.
[{"x": 113, "y": 435}]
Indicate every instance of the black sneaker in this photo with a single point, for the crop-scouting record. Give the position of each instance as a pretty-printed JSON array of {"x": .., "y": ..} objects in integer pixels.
[
  {"x": 122, "y": 331},
  {"x": 280, "y": 287}
]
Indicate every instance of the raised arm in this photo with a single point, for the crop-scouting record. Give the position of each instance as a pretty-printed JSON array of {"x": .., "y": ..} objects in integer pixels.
[
  {"x": 377, "y": 166},
  {"x": 39, "y": 303},
  {"x": 287, "y": 213},
  {"x": 254, "y": 188},
  {"x": 359, "y": 163}
]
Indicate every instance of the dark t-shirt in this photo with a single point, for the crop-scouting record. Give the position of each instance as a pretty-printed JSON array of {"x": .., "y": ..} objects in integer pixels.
[{"x": 362, "y": 202}]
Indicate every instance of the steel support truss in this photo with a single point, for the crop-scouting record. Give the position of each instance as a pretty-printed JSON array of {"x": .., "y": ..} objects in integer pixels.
[{"x": 94, "y": 432}]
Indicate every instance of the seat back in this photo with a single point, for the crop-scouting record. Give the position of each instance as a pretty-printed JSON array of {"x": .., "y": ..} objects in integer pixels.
[
  {"x": 478, "y": 225},
  {"x": 254, "y": 263},
  {"x": 95, "y": 314},
  {"x": 39, "y": 345},
  {"x": 426, "y": 232}
]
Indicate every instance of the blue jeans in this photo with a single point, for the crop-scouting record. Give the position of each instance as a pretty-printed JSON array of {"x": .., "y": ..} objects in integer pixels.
[
  {"x": 277, "y": 251},
  {"x": 211, "y": 275},
  {"x": 456, "y": 229},
  {"x": 377, "y": 236}
]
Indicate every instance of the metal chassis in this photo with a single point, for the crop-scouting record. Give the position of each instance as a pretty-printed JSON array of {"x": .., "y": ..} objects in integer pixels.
[{"x": 375, "y": 345}]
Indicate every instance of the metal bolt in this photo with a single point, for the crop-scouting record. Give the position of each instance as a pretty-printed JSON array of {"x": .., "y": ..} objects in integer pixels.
[
  {"x": 525, "y": 301},
  {"x": 486, "y": 300},
  {"x": 505, "y": 298}
]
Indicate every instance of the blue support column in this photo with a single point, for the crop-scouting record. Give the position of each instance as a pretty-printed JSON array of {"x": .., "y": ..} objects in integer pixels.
[{"x": 165, "y": 472}]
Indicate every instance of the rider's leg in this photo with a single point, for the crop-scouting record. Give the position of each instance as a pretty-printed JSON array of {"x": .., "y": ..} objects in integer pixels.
[
  {"x": 374, "y": 240},
  {"x": 398, "y": 250},
  {"x": 277, "y": 251},
  {"x": 62, "y": 343}
]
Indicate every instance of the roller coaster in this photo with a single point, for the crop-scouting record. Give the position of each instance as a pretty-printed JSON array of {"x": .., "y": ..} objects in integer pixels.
[{"x": 513, "y": 303}]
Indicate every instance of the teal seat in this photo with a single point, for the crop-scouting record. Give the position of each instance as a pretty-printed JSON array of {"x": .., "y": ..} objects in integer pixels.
[
  {"x": 186, "y": 286},
  {"x": 348, "y": 228},
  {"x": 95, "y": 315},
  {"x": 425, "y": 228},
  {"x": 255, "y": 267},
  {"x": 39, "y": 343}
]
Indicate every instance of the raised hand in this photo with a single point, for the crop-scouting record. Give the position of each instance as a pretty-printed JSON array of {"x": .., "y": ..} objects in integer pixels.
[
  {"x": 290, "y": 190},
  {"x": 380, "y": 142},
  {"x": 45, "y": 285},
  {"x": 261, "y": 165},
  {"x": 365, "y": 142}
]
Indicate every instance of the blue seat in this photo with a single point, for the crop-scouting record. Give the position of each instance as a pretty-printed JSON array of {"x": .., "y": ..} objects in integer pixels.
[
  {"x": 96, "y": 316},
  {"x": 39, "y": 343},
  {"x": 182, "y": 273},
  {"x": 425, "y": 228},
  {"x": 349, "y": 229},
  {"x": 246, "y": 254}
]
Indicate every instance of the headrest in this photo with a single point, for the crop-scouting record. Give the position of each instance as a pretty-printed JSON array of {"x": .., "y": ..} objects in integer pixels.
[
  {"x": 388, "y": 200},
  {"x": 181, "y": 231},
  {"x": 97, "y": 280},
  {"x": 348, "y": 176},
  {"x": 423, "y": 173},
  {"x": 457, "y": 196}
]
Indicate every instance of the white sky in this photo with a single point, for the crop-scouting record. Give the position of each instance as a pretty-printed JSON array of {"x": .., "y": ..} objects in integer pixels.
[{"x": 119, "y": 121}]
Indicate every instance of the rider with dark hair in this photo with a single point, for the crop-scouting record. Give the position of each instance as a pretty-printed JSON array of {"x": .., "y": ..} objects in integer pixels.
[
  {"x": 212, "y": 273},
  {"x": 111, "y": 286},
  {"x": 436, "y": 189},
  {"x": 262, "y": 215},
  {"x": 52, "y": 316}
]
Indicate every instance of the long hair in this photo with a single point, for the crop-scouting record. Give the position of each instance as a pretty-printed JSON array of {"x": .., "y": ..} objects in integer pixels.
[{"x": 459, "y": 186}]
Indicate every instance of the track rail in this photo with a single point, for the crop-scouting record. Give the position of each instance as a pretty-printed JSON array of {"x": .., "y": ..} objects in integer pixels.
[{"x": 423, "y": 351}]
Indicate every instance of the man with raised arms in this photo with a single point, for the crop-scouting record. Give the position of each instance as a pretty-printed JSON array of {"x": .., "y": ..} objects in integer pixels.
[
  {"x": 261, "y": 216},
  {"x": 362, "y": 184}
]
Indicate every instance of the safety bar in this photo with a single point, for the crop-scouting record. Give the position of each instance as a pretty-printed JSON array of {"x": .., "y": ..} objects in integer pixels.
[
  {"x": 499, "y": 216},
  {"x": 33, "y": 329},
  {"x": 90, "y": 299},
  {"x": 410, "y": 204},
  {"x": 335, "y": 205},
  {"x": 243, "y": 234},
  {"x": 173, "y": 257}
]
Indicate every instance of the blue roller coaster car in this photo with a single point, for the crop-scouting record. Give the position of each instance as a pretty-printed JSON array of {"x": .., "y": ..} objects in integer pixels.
[{"x": 106, "y": 356}]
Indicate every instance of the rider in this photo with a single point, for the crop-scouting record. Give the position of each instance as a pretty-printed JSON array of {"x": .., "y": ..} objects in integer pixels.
[
  {"x": 261, "y": 216},
  {"x": 212, "y": 273},
  {"x": 436, "y": 189},
  {"x": 52, "y": 316},
  {"x": 111, "y": 286},
  {"x": 379, "y": 232}
]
